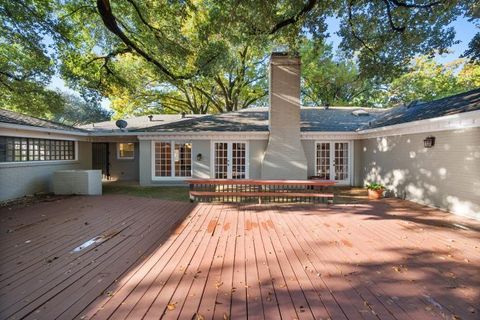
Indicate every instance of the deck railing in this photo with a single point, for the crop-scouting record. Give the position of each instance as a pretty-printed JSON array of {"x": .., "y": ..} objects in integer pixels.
[{"x": 249, "y": 190}]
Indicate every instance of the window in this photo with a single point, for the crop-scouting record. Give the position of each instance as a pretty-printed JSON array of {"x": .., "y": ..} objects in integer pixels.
[
  {"x": 15, "y": 149},
  {"x": 173, "y": 159},
  {"x": 125, "y": 150}
]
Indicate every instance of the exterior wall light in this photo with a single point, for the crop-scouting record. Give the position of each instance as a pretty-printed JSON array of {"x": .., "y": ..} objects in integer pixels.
[
  {"x": 199, "y": 157},
  {"x": 429, "y": 142}
]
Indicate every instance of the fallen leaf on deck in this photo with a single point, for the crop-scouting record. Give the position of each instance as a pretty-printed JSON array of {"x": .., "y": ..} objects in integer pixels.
[
  {"x": 197, "y": 316},
  {"x": 172, "y": 306},
  {"x": 225, "y": 316}
]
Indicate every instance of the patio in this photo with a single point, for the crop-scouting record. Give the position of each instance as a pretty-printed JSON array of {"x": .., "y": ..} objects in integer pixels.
[{"x": 151, "y": 258}]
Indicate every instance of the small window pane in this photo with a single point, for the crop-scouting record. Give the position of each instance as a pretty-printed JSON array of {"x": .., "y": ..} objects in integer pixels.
[
  {"x": 15, "y": 149},
  {"x": 163, "y": 159},
  {"x": 126, "y": 150}
]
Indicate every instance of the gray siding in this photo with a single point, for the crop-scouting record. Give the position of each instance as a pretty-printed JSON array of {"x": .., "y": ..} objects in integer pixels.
[
  {"x": 309, "y": 148},
  {"x": 21, "y": 179},
  {"x": 445, "y": 176},
  {"x": 357, "y": 164},
  {"x": 256, "y": 152},
  {"x": 201, "y": 169},
  {"x": 123, "y": 169}
]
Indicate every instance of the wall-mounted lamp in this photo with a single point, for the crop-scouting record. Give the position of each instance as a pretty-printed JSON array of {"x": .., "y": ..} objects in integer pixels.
[
  {"x": 429, "y": 142},
  {"x": 199, "y": 157}
]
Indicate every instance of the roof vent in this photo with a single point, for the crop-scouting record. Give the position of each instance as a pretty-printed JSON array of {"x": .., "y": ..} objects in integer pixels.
[
  {"x": 360, "y": 112},
  {"x": 183, "y": 115},
  {"x": 150, "y": 117},
  {"x": 327, "y": 105},
  {"x": 122, "y": 124}
]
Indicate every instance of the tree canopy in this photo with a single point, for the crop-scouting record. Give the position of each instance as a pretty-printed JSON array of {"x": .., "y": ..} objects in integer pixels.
[{"x": 204, "y": 56}]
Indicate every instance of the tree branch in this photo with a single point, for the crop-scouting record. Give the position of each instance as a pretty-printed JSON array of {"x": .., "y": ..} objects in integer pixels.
[
  {"x": 352, "y": 28},
  {"x": 293, "y": 19},
  {"x": 110, "y": 21},
  {"x": 412, "y": 5},
  {"x": 390, "y": 19}
]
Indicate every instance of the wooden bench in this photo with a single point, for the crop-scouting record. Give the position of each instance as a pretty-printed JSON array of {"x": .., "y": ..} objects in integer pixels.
[{"x": 231, "y": 190}]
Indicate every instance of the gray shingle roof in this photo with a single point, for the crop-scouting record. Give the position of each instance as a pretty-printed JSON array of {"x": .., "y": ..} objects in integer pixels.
[
  {"x": 140, "y": 122},
  {"x": 313, "y": 119},
  {"x": 11, "y": 117},
  {"x": 463, "y": 102},
  {"x": 256, "y": 119}
]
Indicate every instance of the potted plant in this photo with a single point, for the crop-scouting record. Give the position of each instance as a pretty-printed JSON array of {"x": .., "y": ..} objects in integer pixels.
[{"x": 375, "y": 190}]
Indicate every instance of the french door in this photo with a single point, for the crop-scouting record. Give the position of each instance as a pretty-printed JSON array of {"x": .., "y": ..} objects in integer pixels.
[
  {"x": 333, "y": 161},
  {"x": 230, "y": 160}
]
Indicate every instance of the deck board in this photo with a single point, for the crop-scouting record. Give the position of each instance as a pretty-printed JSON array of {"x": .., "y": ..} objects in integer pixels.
[{"x": 388, "y": 259}]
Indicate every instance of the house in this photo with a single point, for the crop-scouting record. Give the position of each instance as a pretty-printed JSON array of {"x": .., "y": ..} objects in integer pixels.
[{"x": 425, "y": 152}]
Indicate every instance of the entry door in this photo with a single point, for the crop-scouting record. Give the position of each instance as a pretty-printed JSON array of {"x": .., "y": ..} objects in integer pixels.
[
  {"x": 230, "y": 160},
  {"x": 100, "y": 158},
  {"x": 333, "y": 161}
]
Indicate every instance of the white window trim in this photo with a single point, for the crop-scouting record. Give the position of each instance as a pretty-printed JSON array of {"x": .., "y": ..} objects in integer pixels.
[
  {"x": 229, "y": 155},
  {"x": 172, "y": 159},
  {"x": 125, "y": 158},
  {"x": 349, "y": 181}
]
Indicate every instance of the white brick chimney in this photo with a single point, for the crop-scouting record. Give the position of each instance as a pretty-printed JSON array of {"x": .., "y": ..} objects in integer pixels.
[{"x": 284, "y": 157}]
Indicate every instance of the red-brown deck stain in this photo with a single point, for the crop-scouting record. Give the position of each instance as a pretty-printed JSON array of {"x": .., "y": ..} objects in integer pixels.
[
  {"x": 249, "y": 225},
  {"x": 340, "y": 225},
  {"x": 347, "y": 243},
  {"x": 270, "y": 223},
  {"x": 212, "y": 225},
  {"x": 226, "y": 226},
  {"x": 326, "y": 225}
]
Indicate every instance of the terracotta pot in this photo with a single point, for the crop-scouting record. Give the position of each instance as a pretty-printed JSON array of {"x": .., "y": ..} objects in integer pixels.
[{"x": 375, "y": 194}]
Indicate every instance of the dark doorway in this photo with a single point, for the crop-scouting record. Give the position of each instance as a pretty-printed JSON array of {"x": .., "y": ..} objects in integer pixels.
[{"x": 100, "y": 155}]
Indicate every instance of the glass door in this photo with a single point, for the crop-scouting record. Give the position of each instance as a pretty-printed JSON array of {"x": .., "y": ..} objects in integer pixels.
[
  {"x": 340, "y": 162},
  {"x": 333, "y": 162},
  {"x": 230, "y": 160}
]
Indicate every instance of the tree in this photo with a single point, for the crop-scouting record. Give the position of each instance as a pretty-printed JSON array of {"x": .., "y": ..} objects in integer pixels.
[
  {"x": 327, "y": 80},
  {"x": 136, "y": 88},
  {"x": 127, "y": 49},
  {"x": 429, "y": 80},
  {"x": 77, "y": 111},
  {"x": 25, "y": 66}
]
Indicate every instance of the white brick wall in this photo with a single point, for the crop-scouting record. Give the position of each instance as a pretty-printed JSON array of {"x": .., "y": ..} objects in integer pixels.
[
  {"x": 284, "y": 157},
  {"x": 445, "y": 176}
]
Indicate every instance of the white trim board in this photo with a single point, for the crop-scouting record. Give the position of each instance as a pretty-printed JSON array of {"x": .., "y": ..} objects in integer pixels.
[
  {"x": 41, "y": 129},
  {"x": 205, "y": 135},
  {"x": 451, "y": 122}
]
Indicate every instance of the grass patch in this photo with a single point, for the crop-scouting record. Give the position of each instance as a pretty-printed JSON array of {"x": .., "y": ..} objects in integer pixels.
[{"x": 164, "y": 193}]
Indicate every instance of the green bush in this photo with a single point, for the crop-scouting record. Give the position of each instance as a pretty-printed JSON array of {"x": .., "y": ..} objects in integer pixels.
[{"x": 375, "y": 186}]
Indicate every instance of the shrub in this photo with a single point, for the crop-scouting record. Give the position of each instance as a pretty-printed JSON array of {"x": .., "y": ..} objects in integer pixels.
[{"x": 375, "y": 186}]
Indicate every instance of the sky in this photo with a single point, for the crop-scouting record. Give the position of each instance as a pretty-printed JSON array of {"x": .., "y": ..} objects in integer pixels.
[{"x": 465, "y": 30}]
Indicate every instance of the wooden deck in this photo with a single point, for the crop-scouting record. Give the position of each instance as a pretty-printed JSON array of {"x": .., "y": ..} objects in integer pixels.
[{"x": 150, "y": 259}]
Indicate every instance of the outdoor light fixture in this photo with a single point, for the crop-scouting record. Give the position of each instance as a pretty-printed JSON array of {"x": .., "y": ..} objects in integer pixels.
[
  {"x": 429, "y": 142},
  {"x": 199, "y": 157}
]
